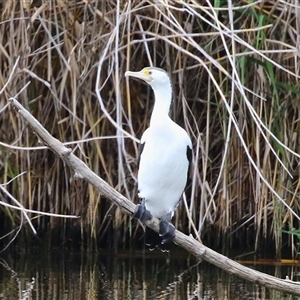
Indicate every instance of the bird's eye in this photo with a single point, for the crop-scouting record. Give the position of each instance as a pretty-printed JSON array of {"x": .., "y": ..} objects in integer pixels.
[{"x": 150, "y": 72}]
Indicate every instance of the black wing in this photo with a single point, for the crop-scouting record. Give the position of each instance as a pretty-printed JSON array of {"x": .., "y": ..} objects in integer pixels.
[
  {"x": 141, "y": 148},
  {"x": 189, "y": 155}
]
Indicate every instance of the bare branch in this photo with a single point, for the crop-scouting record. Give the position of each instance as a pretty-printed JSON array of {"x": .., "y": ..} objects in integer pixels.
[{"x": 188, "y": 243}]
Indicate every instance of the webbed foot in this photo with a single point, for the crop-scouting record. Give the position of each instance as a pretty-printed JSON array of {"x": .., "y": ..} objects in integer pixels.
[
  {"x": 166, "y": 231},
  {"x": 142, "y": 213}
]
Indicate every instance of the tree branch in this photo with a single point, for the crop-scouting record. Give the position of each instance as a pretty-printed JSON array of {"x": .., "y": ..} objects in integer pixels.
[{"x": 188, "y": 243}]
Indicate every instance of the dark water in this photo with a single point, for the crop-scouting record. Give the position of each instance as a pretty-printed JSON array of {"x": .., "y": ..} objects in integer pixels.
[{"x": 136, "y": 275}]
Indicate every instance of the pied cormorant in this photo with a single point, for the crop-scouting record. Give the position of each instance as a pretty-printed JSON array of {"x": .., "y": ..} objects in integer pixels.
[{"x": 164, "y": 161}]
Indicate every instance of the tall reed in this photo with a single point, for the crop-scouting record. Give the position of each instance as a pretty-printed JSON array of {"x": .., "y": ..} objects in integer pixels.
[{"x": 235, "y": 79}]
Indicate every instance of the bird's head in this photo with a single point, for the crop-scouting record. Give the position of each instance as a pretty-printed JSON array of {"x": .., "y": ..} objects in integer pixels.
[{"x": 155, "y": 77}]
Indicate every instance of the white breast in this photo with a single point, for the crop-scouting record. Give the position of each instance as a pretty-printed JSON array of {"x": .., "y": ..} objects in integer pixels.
[{"x": 163, "y": 167}]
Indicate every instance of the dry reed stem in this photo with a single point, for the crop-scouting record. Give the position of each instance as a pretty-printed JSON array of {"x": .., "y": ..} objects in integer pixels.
[{"x": 235, "y": 79}]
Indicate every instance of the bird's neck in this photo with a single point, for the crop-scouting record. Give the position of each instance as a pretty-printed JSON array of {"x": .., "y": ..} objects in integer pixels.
[{"x": 162, "y": 105}]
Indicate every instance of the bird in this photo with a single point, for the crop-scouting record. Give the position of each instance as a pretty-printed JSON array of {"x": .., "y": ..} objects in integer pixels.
[{"x": 164, "y": 161}]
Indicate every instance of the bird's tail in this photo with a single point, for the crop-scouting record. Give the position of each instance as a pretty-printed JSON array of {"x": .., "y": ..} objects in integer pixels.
[{"x": 153, "y": 240}]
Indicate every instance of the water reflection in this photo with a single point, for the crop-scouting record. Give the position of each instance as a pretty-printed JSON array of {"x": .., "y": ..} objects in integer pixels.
[{"x": 138, "y": 275}]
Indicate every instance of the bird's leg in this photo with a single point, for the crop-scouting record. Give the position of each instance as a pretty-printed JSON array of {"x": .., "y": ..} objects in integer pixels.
[
  {"x": 166, "y": 229},
  {"x": 141, "y": 212}
]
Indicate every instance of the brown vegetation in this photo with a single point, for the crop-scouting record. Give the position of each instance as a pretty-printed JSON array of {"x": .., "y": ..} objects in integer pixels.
[{"x": 234, "y": 72}]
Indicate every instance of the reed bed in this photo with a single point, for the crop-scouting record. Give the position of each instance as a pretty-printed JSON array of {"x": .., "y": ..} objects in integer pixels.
[{"x": 234, "y": 68}]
